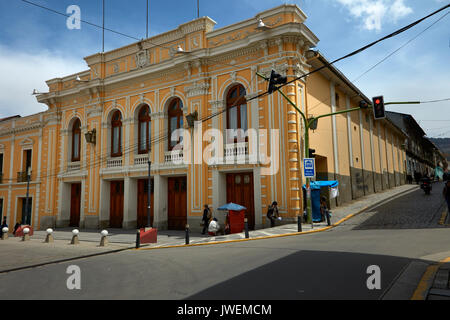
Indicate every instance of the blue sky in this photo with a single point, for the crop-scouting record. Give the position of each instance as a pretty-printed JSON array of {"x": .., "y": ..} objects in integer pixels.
[{"x": 35, "y": 45}]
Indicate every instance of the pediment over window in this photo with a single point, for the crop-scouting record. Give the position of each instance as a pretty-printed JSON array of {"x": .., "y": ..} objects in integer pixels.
[{"x": 27, "y": 142}]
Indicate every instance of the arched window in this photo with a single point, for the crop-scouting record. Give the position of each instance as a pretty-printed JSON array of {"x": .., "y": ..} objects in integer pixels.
[
  {"x": 76, "y": 140},
  {"x": 116, "y": 134},
  {"x": 175, "y": 121},
  {"x": 236, "y": 113},
  {"x": 144, "y": 129}
]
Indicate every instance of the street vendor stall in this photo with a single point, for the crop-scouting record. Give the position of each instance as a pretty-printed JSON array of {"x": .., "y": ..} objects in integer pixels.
[
  {"x": 236, "y": 216},
  {"x": 316, "y": 187}
]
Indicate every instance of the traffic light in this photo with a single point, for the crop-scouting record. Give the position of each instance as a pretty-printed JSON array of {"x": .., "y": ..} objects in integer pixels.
[
  {"x": 378, "y": 108},
  {"x": 312, "y": 153},
  {"x": 275, "y": 79}
]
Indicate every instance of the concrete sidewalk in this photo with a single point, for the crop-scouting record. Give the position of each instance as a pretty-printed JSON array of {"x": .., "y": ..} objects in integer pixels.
[{"x": 15, "y": 253}]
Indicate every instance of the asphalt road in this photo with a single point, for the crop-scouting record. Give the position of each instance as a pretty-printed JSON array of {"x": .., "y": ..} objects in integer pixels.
[{"x": 327, "y": 265}]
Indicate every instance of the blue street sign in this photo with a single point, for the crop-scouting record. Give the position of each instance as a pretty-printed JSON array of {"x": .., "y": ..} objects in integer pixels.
[{"x": 309, "y": 168}]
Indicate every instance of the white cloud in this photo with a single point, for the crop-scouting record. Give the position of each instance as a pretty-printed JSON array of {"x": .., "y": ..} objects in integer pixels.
[
  {"x": 374, "y": 12},
  {"x": 22, "y": 72}
]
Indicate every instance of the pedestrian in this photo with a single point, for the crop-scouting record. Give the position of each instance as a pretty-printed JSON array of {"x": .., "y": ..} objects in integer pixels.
[
  {"x": 323, "y": 208},
  {"x": 215, "y": 228},
  {"x": 272, "y": 213},
  {"x": 4, "y": 225},
  {"x": 417, "y": 176},
  {"x": 409, "y": 178},
  {"x": 207, "y": 215},
  {"x": 16, "y": 226},
  {"x": 446, "y": 194}
]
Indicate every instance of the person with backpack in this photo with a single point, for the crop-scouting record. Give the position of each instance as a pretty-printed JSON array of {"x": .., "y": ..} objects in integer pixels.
[{"x": 272, "y": 213}]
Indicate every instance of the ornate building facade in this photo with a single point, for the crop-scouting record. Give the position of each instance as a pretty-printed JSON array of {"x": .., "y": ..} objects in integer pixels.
[{"x": 90, "y": 149}]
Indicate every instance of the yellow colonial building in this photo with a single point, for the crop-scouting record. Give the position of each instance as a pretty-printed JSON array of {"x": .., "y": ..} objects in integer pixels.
[{"x": 88, "y": 153}]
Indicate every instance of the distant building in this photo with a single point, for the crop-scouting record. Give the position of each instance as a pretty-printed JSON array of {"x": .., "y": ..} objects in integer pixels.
[{"x": 422, "y": 155}]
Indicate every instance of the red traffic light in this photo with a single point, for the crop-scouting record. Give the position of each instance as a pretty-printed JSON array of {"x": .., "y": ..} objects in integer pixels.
[{"x": 378, "y": 107}]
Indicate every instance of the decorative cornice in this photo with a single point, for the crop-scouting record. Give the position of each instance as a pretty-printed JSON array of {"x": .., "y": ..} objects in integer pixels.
[{"x": 197, "y": 89}]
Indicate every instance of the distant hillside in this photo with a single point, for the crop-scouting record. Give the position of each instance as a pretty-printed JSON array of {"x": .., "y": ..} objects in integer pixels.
[{"x": 443, "y": 144}]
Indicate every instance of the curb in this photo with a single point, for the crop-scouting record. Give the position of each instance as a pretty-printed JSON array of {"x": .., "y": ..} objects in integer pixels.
[
  {"x": 427, "y": 279},
  {"x": 286, "y": 234}
]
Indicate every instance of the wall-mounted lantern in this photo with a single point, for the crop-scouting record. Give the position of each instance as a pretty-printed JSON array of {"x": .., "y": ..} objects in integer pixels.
[
  {"x": 91, "y": 136},
  {"x": 191, "y": 118}
]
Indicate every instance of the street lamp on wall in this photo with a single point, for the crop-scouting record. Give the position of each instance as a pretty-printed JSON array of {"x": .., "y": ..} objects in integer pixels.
[{"x": 91, "y": 136}]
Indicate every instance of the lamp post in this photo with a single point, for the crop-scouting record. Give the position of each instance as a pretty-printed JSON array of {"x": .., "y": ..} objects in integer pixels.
[
  {"x": 27, "y": 218},
  {"x": 308, "y": 124},
  {"x": 149, "y": 223}
]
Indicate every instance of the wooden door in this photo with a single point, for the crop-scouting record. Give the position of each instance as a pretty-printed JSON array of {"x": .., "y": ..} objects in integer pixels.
[
  {"x": 142, "y": 203},
  {"x": 240, "y": 191},
  {"x": 116, "y": 204},
  {"x": 75, "y": 203},
  {"x": 177, "y": 203}
]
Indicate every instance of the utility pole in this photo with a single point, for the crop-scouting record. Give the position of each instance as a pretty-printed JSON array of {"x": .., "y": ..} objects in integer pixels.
[
  {"x": 307, "y": 124},
  {"x": 149, "y": 222}
]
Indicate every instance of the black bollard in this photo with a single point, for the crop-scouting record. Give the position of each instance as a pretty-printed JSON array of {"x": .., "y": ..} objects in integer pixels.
[
  {"x": 246, "y": 228},
  {"x": 187, "y": 234},
  {"x": 328, "y": 218},
  {"x": 138, "y": 239},
  {"x": 299, "y": 223}
]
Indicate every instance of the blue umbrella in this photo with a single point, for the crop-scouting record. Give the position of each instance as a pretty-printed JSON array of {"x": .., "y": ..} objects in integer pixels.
[{"x": 231, "y": 206}]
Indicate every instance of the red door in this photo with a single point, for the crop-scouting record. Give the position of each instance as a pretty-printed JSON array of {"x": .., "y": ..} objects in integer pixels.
[
  {"x": 177, "y": 203},
  {"x": 75, "y": 203},
  {"x": 240, "y": 191},
  {"x": 142, "y": 203},
  {"x": 116, "y": 204}
]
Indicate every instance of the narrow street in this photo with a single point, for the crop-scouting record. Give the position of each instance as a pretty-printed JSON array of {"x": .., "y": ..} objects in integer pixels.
[{"x": 326, "y": 265}]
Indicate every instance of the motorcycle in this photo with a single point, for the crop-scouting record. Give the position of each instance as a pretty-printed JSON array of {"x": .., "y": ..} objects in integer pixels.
[{"x": 425, "y": 185}]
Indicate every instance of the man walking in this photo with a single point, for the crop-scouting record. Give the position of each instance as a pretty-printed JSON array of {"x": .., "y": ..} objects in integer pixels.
[
  {"x": 272, "y": 213},
  {"x": 207, "y": 215}
]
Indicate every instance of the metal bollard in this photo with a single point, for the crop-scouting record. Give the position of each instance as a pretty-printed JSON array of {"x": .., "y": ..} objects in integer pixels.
[
  {"x": 328, "y": 218},
  {"x": 299, "y": 223},
  {"x": 104, "y": 240},
  {"x": 49, "y": 238},
  {"x": 246, "y": 228},
  {"x": 138, "y": 239},
  {"x": 187, "y": 234},
  {"x": 5, "y": 235},
  {"x": 75, "y": 239},
  {"x": 26, "y": 236}
]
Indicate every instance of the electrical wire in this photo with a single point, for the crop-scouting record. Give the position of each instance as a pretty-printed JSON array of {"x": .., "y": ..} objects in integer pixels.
[
  {"x": 163, "y": 137},
  {"x": 401, "y": 47},
  {"x": 399, "y": 31}
]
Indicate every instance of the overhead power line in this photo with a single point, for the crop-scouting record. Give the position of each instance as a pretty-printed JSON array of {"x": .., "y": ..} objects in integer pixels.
[
  {"x": 401, "y": 47},
  {"x": 399, "y": 31}
]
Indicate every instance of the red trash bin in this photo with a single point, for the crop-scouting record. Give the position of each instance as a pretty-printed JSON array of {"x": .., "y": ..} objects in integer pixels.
[
  {"x": 237, "y": 221},
  {"x": 149, "y": 235}
]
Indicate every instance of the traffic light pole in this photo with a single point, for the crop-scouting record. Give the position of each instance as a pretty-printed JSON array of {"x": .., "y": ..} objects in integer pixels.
[{"x": 307, "y": 123}]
